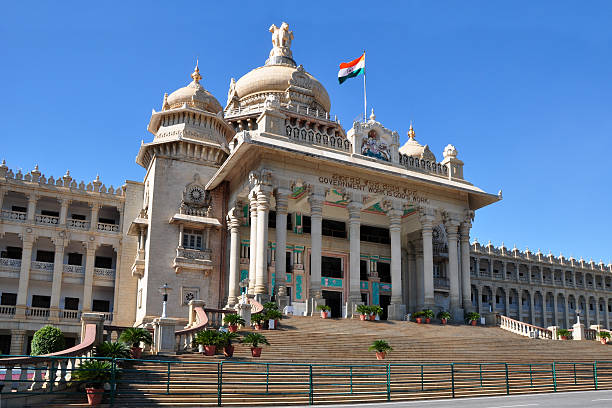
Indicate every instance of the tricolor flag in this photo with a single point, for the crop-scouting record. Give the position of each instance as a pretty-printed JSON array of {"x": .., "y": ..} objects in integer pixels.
[{"x": 351, "y": 69}]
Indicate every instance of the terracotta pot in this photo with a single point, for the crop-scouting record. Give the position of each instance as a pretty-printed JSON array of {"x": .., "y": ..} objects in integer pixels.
[
  {"x": 257, "y": 326},
  {"x": 372, "y": 317},
  {"x": 419, "y": 320},
  {"x": 209, "y": 350},
  {"x": 427, "y": 320},
  {"x": 233, "y": 328},
  {"x": 94, "y": 395},
  {"x": 380, "y": 355},
  {"x": 473, "y": 322},
  {"x": 443, "y": 321},
  {"x": 136, "y": 352},
  {"x": 228, "y": 351},
  {"x": 324, "y": 314},
  {"x": 603, "y": 341},
  {"x": 256, "y": 351},
  {"x": 563, "y": 337}
]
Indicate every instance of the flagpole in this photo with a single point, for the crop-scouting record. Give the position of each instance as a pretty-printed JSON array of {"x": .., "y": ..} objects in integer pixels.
[{"x": 365, "y": 100}]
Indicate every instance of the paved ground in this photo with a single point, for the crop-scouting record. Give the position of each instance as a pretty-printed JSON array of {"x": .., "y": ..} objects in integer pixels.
[{"x": 590, "y": 399}]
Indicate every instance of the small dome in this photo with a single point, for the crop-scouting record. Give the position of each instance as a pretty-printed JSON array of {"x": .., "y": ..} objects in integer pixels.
[
  {"x": 194, "y": 95},
  {"x": 413, "y": 148}
]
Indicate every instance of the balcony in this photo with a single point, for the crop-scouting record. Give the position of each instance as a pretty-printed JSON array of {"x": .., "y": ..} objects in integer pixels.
[
  {"x": 40, "y": 313},
  {"x": 104, "y": 273},
  {"x": 108, "y": 227},
  {"x": 70, "y": 314},
  {"x": 74, "y": 269},
  {"x": 47, "y": 220},
  {"x": 78, "y": 224},
  {"x": 13, "y": 215},
  {"x": 10, "y": 267},
  {"x": 193, "y": 259},
  {"x": 7, "y": 310},
  {"x": 441, "y": 283}
]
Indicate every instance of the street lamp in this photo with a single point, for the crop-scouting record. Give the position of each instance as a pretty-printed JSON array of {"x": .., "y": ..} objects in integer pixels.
[
  {"x": 164, "y": 289},
  {"x": 243, "y": 285}
]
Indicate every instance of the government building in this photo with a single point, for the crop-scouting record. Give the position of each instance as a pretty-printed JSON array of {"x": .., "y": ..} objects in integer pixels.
[{"x": 270, "y": 195}]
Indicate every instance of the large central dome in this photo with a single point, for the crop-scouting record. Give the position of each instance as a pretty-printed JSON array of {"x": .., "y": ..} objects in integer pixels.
[{"x": 279, "y": 76}]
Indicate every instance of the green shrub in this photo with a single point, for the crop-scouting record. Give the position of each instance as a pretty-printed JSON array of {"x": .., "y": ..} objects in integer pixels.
[
  {"x": 428, "y": 313},
  {"x": 254, "y": 339},
  {"x": 273, "y": 315},
  {"x": 417, "y": 314},
  {"x": 472, "y": 316},
  {"x": 323, "y": 308},
  {"x": 603, "y": 335},
  {"x": 270, "y": 306},
  {"x": 225, "y": 338},
  {"x": 258, "y": 318},
  {"x": 233, "y": 319},
  {"x": 380, "y": 346},
  {"x": 444, "y": 315},
  {"x": 207, "y": 337},
  {"x": 113, "y": 350},
  {"x": 375, "y": 309},
  {"x": 564, "y": 333},
  {"x": 93, "y": 373},
  {"x": 136, "y": 335},
  {"x": 47, "y": 340},
  {"x": 363, "y": 309}
]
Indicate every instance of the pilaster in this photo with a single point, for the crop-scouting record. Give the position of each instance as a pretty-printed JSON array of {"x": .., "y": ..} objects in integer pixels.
[
  {"x": 466, "y": 283},
  {"x": 280, "y": 269},
  {"x": 316, "y": 200},
  {"x": 452, "y": 228},
  {"x": 426, "y": 218},
  {"x": 261, "y": 265},
  {"x": 354, "y": 211},
  {"x": 233, "y": 224},
  {"x": 90, "y": 258},
  {"x": 397, "y": 309},
  {"x": 253, "y": 243}
]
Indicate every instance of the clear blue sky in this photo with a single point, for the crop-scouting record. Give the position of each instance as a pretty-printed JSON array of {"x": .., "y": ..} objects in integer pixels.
[{"x": 523, "y": 90}]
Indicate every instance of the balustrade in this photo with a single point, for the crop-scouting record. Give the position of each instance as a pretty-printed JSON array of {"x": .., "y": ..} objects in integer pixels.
[
  {"x": 10, "y": 263},
  {"x": 104, "y": 273},
  {"x": 38, "y": 312},
  {"x": 313, "y": 136},
  {"x": 76, "y": 269},
  {"x": 108, "y": 227},
  {"x": 441, "y": 283},
  {"x": 14, "y": 215},
  {"x": 413, "y": 163},
  {"x": 194, "y": 253},
  {"x": 523, "y": 329},
  {"x": 78, "y": 224},
  {"x": 70, "y": 314},
  {"x": 42, "y": 266},
  {"x": 47, "y": 219},
  {"x": 7, "y": 310}
]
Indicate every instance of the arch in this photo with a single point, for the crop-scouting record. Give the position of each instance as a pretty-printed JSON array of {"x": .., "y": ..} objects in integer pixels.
[
  {"x": 475, "y": 300},
  {"x": 513, "y": 303},
  {"x": 539, "y": 316},
  {"x": 486, "y": 299},
  {"x": 500, "y": 301}
]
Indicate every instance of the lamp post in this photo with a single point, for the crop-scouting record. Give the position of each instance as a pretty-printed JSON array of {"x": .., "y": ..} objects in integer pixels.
[
  {"x": 164, "y": 289},
  {"x": 243, "y": 286}
]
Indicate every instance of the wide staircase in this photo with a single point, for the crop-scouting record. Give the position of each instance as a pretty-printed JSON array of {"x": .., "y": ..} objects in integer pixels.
[{"x": 312, "y": 360}]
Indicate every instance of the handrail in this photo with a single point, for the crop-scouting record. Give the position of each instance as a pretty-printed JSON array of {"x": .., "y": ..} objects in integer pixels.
[
  {"x": 256, "y": 307},
  {"x": 524, "y": 329}
]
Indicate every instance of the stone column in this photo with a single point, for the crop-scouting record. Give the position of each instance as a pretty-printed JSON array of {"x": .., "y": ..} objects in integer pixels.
[
  {"x": 253, "y": 243},
  {"x": 412, "y": 279},
  {"x": 18, "y": 338},
  {"x": 507, "y": 301},
  {"x": 89, "y": 272},
  {"x": 555, "y": 318},
  {"x": 532, "y": 308},
  {"x": 24, "y": 275},
  {"x": 261, "y": 265},
  {"x": 2, "y": 193},
  {"x": 233, "y": 224},
  {"x": 420, "y": 289},
  {"x": 529, "y": 274},
  {"x": 504, "y": 270},
  {"x": 397, "y": 309},
  {"x": 58, "y": 271},
  {"x": 451, "y": 227},
  {"x": 316, "y": 219},
  {"x": 354, "y": 210},
  {"x": 466, "y": 280},
  {"x": 95, "y": 208},
  {"x": 32, "y": 198},
  {"x": 427, "y": 219},
  {"x": 280, "y": 269},
  {"x": 63, "y": 210}
]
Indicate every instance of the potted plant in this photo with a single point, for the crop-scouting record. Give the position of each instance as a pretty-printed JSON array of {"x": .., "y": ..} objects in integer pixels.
[
  {"x": 564, "y": 334},
  {"x": 113, "y": 350},
  {"x": 225, "y": 341},
  {"x": 93, "y": 374},
  {"x": 255, "y": 339},
  {"x": 364, "y": 311},
  {"x": 257, "y": 320},
  {"x": 444, "y": 316},
  {"x": 275, "y": 315},
  {"x": 233, "y": 320},
  {"x": 325, "y": 311},
  {"x": 375, "y": 310},
  {"x": 473, "y": 317},
  {"x": 48, "y": 340},
  {"x": 428, "y": 314},
  {"x": 604, "y": 337},
  {"x": 418, "y": 316},
  {"x": 381, "y": 347},
  {"x": 135, "y": 336},
  {"x": 209, "y": 340}
]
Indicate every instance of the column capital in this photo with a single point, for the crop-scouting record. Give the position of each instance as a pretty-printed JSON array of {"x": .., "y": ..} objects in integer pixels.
[
  {"x": 233, "y": 219},
  {"x": 281, "y": 196},
  {"x": 263, "y": 199},
  {"x": 395, "y": 219},
  {"x": 426, "y": 218},
  {"x": 354, "y": 209},
  {"x": 316, "y": 203}
]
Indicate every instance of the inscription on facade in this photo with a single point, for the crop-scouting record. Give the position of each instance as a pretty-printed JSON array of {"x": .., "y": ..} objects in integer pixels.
[{"x": 373, "y": 187}]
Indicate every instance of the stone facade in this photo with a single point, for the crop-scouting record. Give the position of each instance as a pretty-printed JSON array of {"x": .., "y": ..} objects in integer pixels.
[{"x": 271, "y": 194}]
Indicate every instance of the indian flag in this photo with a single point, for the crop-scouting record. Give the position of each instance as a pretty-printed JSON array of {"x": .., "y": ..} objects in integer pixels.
[{"x": 351, "y": 69}]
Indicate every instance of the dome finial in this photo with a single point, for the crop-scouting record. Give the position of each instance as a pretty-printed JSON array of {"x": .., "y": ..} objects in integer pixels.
[
  {"x": 372, "y": 115},
  {"x": 281, "y": 45},
  {"x": 411, "y": 132},
  {"x": 196, "y": 73}
]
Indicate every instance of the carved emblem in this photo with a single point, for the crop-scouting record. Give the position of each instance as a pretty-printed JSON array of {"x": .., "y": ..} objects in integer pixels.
[
  {"x": 372, "y": 146},
  {"x": 196, "y": 199}
]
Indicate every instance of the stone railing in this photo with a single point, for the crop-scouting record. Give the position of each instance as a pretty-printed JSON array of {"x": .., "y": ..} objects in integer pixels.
[
  {"x": 413, "y": 163},
  {"x": 194, "y": 253},
  {"x": 35, "y": 373},
  {"x": 38, "y": 312},
  {"x": 7, "y": 310},
  {"x": 42, "y": 266},
  {"x": 108, "y": 227},
  {"x": 198, "y": 319},
  {"x": 300, "y": 110},
  {"x": 590, "y": 334},
  {"x": 441, "y": 283},
  {"x": 70, "y": 314},
  {"x": 256, "y": 307},
  {"x": 13, "y": 215},
  {"x": 76, "y": 269},
  {"x": 78, "y": 224},
  {"x": 523, "y": 329},
  {"x": 10, "y": 263},
  {"x": 104, "y": 273},
  {"x": 47, "y": 219},
  {"x": 314, "y": 137}
]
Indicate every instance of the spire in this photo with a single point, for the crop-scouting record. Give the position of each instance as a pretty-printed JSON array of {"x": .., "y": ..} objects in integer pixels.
[
  {"x": 196, "y": 73},
  {"x": 372, "y": 116},
  {"x": 411, "y": 132}
]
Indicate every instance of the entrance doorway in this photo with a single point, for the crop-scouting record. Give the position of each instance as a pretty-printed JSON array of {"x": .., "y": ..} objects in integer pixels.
[
  {"x": 333, "y": 299},
  {"x": 385, "y": 300}
]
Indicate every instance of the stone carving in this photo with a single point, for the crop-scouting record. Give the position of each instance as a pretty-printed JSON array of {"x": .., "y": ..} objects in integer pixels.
[
  {"x": 196, "y": 199},
  {"x": 272, "y": 102},
  {"x": 190, "y": 294},
  {"x": 281, "y": 41},
  {"x": 372, "y": 146}
]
